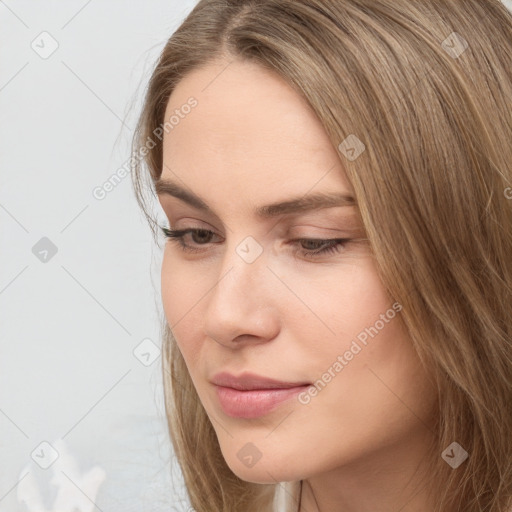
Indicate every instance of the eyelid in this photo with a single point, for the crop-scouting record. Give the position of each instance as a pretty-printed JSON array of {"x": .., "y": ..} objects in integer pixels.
[
  {"x": 317, "y": 231},
  {"x": 174, "y": 207},
  {"x": 296, "y": 231},
  {"x": 320, "y": 231},
  {"x": 192, "y": 223},
  {"x": 348, "y": 221}
]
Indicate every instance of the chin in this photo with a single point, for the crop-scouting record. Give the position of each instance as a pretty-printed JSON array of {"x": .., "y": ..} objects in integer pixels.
[
  {"x": 261, "y": 475},
  {"x": 266, "y": 470}
]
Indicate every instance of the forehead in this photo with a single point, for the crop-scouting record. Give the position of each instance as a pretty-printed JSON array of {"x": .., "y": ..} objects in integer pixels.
[{"x": 249, "y": 127}]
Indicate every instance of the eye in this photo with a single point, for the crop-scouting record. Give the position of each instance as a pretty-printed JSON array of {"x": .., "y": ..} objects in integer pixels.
[
  {"x": 308, "y": 248},
  {"x": 316, "y": 247},
  {"x": 199, "y": 237}
]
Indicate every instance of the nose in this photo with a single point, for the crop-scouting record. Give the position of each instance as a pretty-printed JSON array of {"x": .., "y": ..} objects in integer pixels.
[{"x": 241, "y": 305}]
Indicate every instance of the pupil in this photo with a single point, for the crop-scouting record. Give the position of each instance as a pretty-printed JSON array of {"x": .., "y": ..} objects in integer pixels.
[
  {"x": 311, "y": 244},
  {"x": 202, "y": 235}
]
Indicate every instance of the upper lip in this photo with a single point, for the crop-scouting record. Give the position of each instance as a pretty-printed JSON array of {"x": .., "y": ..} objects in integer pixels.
[{"x": 250, "y": 381}]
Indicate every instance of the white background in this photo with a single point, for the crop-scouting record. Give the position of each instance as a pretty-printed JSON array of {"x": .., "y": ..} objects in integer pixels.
[{"x": 69, "y": 326}]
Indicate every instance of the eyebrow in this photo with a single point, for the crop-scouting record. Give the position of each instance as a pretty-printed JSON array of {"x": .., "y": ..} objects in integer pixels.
[{"x": 294, "y": 205}]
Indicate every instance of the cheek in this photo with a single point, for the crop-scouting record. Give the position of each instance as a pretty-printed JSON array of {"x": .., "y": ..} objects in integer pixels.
[
  {"x": 182, "y": 290},
  {"x": 172, "y": 284},
  {"x": 339, "y": 306},
  {"x": 358, "y": 351},
  {"x": 371, "y": 386},
  {"x": 367, "y": 325}
]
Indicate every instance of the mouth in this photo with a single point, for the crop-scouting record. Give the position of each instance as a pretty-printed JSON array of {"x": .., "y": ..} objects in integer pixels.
[{"x": 252, "y": 396}]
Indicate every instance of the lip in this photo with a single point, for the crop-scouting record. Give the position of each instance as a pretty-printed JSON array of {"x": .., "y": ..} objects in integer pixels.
[{"x": 251, "y": 396}]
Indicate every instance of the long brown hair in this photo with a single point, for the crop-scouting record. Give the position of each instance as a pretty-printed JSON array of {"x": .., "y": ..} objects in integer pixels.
[{"x": 426, "y": 86}]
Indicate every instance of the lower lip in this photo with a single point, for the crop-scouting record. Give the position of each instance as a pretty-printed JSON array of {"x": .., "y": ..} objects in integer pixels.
[{"x": 254, "y": 403}]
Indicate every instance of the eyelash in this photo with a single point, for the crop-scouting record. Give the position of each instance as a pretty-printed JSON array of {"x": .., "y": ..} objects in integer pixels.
[{"x": 177, "y": 236}]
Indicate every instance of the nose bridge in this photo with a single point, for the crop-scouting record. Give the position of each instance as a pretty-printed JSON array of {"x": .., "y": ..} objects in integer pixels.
[
  {"x": 240, "y": 301},
  {"x": 243, "y": 268}
]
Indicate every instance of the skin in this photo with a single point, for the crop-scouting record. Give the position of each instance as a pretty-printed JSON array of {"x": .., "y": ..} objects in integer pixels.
[{"x": 359, "y": 443}]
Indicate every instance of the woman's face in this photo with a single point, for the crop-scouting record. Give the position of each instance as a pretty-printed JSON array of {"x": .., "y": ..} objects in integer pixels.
[{"x": 254, "y": 297}]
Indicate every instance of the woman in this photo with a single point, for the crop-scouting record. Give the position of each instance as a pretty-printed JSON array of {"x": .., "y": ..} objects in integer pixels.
[{"x": 337, "y": 281}]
